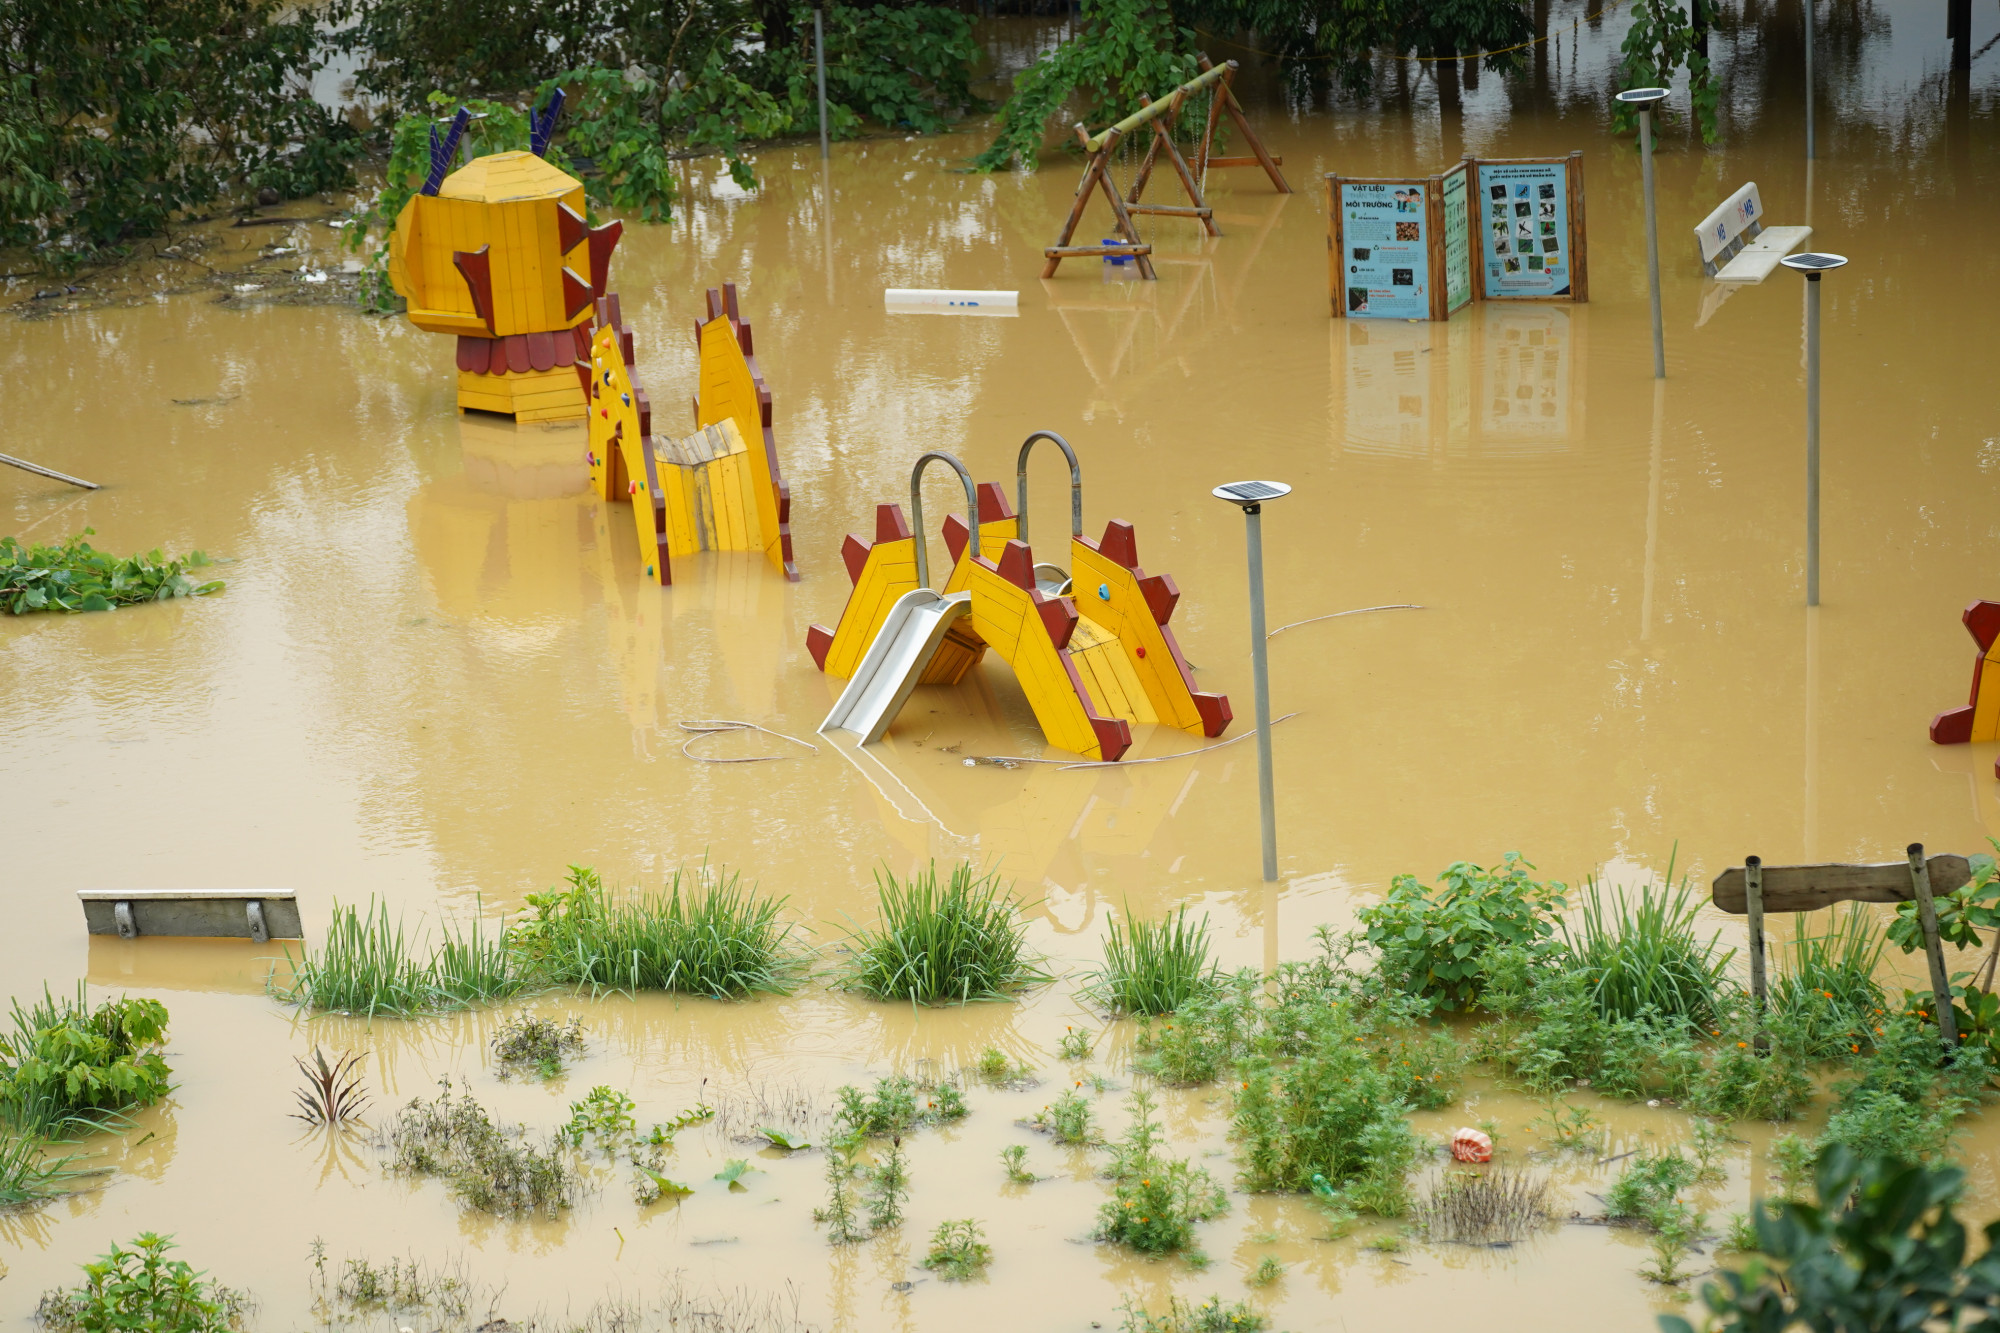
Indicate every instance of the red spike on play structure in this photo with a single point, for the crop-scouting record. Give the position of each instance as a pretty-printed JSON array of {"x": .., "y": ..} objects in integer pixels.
[
  {"x": 1160, "y": 593},
  {"x": 1058, "y": 615},
  {"x": 1017, "y": 565},
  {"x": 890, "y": 525},
  {"x": 603, "y": 240},
  {"x": 714, "y": 295},
  {"x": 1121, "y": 546},
  {"x": 854, "y": 552},
  {"x": 993, "y": 505},
  {"x": 576, "y": 294},
  {"x": 744, "y": 340},
  {"x": 819, "y": 639},
  {"x": 729, "y": 301},
  {"x": 476, "y": 268},
  {"x": 956, "y": 534},
  {"x": 570, "y": 228},
  {"x": 1114, "y": 736},
  {"x": 1215, "y": 714},
  {"x": 1982, "y": 622}
]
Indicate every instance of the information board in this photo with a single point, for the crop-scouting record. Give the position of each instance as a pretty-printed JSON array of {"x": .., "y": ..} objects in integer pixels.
[
  {"x": 1528, "y": 238},
  {"x": 1384, "y": 256},
  {"x": 1457, "y": 240}
]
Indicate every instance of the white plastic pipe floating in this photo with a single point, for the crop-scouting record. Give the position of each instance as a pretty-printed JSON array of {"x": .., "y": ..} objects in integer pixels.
[{"x": 951, "y": 297}]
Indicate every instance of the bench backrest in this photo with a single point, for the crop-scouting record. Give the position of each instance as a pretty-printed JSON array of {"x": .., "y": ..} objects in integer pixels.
[{"x": 1729, "y": 228}]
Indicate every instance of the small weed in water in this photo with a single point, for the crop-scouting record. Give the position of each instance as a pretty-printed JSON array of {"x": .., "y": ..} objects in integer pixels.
[
  {"x": 332, "y": 1094},
  {"x": 1153, "y": 967},
  {"x": 1076, "y": 1044},
  {"x": 842, "y": 1213},
  {"x": 604, "y": 1116},
  {"x": 1569, "y": 1128},
  {"x": 1268, "y": 1270},
  {"x": 1068, "y": 1119},
  {"x": 28, "y": 1175},
  {"x": 1014, "y": 1157},
  {"x": 898, "y": 1103},
  {"x": 958, "y": 1250},
  {"x": 1156, "y": 1200},
  {"x": 993, "y": 1066},
  {"x": 1386, "y": 1243},
  {"x": 1649, "y": 1186},
  {"x": 889, "y": 1188},
  {"x": 947, "y": 942},
  {"x": 1209, "y": 1316},
  {"x": 491, "y": 1169},
  {"x": 1792, "y": 1168},
  {"x": 141, "y": 1289},
  {"x": 733, "y": 1171},
  {"x": 543, "y": 1044},
  {"x": 1482, "y": 1207}
]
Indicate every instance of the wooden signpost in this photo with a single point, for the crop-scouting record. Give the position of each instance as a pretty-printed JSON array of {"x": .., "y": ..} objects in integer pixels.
[
  {"x": 1161, "y": 116},
  {"x": 1753, "y": 889}
]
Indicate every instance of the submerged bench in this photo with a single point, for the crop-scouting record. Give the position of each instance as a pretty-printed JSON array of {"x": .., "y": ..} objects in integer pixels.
[
  {"x": 256, "y": 914},
  {"x": 1736, "y": 246}
]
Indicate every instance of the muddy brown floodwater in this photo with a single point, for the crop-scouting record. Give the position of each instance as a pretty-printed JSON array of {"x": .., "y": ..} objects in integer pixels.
[{"x": 431, "y": 682}]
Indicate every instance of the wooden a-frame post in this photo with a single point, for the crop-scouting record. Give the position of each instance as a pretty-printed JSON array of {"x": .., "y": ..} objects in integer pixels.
[
  {"x": 1097, "y": 175},
  {"x": 1225, "y": 100}
]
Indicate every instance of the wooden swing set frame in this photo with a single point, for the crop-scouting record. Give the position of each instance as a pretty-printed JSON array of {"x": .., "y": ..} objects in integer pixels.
[{"x": 1160, "y": 115}]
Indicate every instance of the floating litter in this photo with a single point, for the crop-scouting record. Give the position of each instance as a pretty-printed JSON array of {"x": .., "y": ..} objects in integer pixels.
[
  {"x": 951, "y": 301},
  {"x": 1470, "y": 1145}
]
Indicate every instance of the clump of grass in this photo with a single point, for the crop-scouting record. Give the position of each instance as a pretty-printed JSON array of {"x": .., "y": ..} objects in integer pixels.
[
  {"x": 365, "y": 965},
  {"x": 1648, "y": 1193},
  {"x": 1480, "y": 1207},
  {"x": 1569, "y": 1128},
  {"x": 842, "y": 1213},
  {"x": 28, "y": 1175},
  {"x": 603, "y": 1115},
  {"x": 140, "y": 1288},
  {"x": 993, "y": 1066},
  {"x": 67, "y": 1069},
  {"x": 529, "y": 1039},
  {"x": 1210, "y": 1316},
  {"x": 1155, "y": 1200},
  {"x": 1067, "y": 1118},
  {"x": 705, "y": 933},
  {"x": 958, "y": 1250},
  {"x": 1643, "y": 956},
  {"x": 1014, "y": 1159},
  {"x": 332, "y": 1094},
  {"x": 1268, "y": 1270},
  {"x": 949, "y": 942},
  {"x": 471, "y": 967},
  {"x": 490, "y": 1168},
  {"x": 1826, "y": 985},
  {"x": 1906, "y": 1100},
  {"x": 1153, "y": 967},
  {"x": 889, "y": 1187}
]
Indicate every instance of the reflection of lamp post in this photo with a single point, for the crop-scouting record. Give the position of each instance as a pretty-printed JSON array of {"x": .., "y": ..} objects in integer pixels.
[
  {"x": 1812, "y": 265},
  {"x": 1644, "y": 100},
  {"x": 1250, "y": 495},
  {"x": 819, "y": 62}
]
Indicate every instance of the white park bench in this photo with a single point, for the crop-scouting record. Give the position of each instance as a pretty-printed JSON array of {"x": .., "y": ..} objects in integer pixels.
[{"x": 1735, "y": 244}]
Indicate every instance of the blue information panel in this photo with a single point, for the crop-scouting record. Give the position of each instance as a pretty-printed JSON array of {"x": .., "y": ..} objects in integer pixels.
[
  {"x": 1385, "y": 260},
  {"x": 1522, "y": 212}
]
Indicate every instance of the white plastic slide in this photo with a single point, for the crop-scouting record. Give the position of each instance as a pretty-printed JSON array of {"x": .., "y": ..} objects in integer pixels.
[{"x": 908, "y": 640}]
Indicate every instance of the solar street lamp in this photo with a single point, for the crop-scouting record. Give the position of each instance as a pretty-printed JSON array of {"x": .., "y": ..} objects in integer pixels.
[
  {"x": 1250, "y": 497},
  {"x": 1644, "y": 100},
  {"x": 1813, "y": 266}
]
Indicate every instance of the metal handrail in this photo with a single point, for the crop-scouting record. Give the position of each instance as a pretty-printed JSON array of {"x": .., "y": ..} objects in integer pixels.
[
  {"x": 1021, "y": 484},
  {"x": 917, "y": 507}
]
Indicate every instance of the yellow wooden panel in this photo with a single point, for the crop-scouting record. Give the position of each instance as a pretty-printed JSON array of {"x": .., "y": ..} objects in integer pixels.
[
  {"x": 1986, "y": 708},
  {"x": 890, "y": 571},
  {"x": 993, "y": 538},
  {"x": 682, "y": 533},
  {"x": 728, "y": 390},
  {"x": 1127, "y": 616}
]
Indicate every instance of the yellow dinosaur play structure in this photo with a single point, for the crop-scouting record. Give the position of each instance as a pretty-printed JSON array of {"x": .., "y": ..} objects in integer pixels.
[
  {"x": 1090, "y": 645},
  {"x": 498, "y": 254},
  {"x": 719, "y": 489}
]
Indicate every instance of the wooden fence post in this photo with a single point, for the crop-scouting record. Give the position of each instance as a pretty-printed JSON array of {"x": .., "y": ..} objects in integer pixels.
[
  {"x": 1920, "y": 881},
  {"x": 1753, "y": 901}
]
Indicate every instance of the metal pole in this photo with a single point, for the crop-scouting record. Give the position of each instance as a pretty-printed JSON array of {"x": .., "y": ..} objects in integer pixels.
[
  {"x": 1812, "y": 439},
  {"x": 1652, "y": 242},
  {"x": 1261, "y": 674},
  {"x": 1810, "y": 152},
  {"x": 819, "y": 60},
  {"x": 48, "y": 472}
]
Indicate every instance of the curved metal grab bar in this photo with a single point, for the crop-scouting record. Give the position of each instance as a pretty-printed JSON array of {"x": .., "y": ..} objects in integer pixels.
[
  {"x": 917, "y": 507},
  {"x": 1021, "y": 484}
]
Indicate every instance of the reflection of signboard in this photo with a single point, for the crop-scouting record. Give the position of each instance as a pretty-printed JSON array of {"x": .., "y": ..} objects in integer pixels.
[
  {"x": 1526, "y": 367},
  {"x": 1381, "y": 256},
  {"x": 1529, "y": 216},
  {"x": 1457, "y": 247}
]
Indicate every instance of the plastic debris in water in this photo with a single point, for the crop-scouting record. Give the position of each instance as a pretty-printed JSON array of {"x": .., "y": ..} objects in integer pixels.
[{"x": 1470, "y": 1145}]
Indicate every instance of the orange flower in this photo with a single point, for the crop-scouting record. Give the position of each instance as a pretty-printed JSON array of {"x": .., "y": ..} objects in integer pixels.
[
  {"x": 1855, "y": 1049},
  {"x": 1742, "y": 1045}
]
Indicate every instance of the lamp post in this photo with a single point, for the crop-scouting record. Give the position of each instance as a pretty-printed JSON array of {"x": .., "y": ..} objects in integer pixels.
[
  {"x": 819, "y": 63},
  {"x": 1250, "y": 497},
  {"x": 1644, "y": 100},
  {"x": 1812, "y": 265}
]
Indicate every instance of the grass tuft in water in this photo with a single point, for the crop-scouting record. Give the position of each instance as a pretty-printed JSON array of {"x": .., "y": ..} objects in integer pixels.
[
  {"x": 364, "y": 966},
  {"x": 1826, "y": 985},
  {"x": 949, "y": 942},
  {"x": 1153, "y": 967},
  {"x": 1641, "y": 954},
  {"x": 28, "y": 1175},
  {"x": 332, "y": 1093},
  {"x": 958, "y": 1250},
  {"x": 1181, "y": 1316},
  {"x": 531, "y": 1040},
  {"x": 705, "y": 933},
  {"x": 1481, "y": 1207}
]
